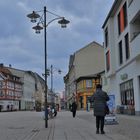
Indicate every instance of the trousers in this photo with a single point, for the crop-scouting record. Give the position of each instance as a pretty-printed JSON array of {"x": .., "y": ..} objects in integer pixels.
[
  {"x": 100, "y": 122},
  {"x": 74, "y": 113}
]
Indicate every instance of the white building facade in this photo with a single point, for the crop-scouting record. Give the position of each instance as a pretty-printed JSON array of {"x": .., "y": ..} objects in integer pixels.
[{"x": 122, "y": 54}]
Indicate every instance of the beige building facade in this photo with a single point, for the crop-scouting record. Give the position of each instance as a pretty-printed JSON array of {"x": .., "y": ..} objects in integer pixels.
[{"x": 86, "y": 62}]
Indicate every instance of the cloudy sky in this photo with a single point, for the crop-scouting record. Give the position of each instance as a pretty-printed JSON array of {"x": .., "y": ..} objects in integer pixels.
[{"x": 23, "y": 49}]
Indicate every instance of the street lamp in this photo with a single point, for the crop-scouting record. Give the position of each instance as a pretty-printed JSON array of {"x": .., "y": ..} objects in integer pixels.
[
  {"x": 52, "y": 70},
  {"x": 42, "y": 20}
]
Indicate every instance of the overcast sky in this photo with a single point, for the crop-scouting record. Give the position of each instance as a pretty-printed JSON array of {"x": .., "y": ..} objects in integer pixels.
[{"x": 23, "y": 49}]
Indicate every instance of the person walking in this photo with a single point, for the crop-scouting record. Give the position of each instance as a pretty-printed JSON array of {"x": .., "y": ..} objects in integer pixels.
[
  {"x": 99, "y": 99},
  {"x": 0, "y": 108},
  {"x": 73, "y": 109}
]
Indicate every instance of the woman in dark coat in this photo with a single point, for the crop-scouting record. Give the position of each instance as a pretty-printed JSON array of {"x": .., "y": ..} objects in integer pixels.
[
  {"x": 73, "y": 109},
  {"x": 100, "y": 98}
]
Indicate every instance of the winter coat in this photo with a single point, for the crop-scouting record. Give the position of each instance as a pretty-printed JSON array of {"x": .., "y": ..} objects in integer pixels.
[
  {"x": 99, "y": 102},
  {"x": 74, "y": 107}
]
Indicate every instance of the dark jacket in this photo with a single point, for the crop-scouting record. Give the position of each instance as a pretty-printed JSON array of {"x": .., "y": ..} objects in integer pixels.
[
  {"x": 99, "y": 102},
  {"x": 74, "y": 106}
]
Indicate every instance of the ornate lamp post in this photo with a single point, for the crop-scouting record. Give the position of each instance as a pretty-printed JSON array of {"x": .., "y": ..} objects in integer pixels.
[
  {"x": 52, "y": 70},
  {"x": 42, "y": 20}
]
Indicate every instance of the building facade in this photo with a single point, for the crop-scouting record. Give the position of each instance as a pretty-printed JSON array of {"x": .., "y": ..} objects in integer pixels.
[
  {"x": 20, "y": 89},
  {"x": 83, "y": 67},
  {"x": 10, "y": 90},
  {"x": 122, "y": 54},
  {"x": 85, "y": 87}
]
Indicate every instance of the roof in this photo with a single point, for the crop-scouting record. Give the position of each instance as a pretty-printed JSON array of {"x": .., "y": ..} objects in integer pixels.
[
  {"x": 90, "y": 76},
  {"x": 5, "y": 70},
  {"x": 94, "y": 43},
  {"x": 112, "y": 10}
]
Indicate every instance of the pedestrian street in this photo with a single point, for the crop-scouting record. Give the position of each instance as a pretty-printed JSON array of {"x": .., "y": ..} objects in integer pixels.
[{"x": 30, "y": 125}]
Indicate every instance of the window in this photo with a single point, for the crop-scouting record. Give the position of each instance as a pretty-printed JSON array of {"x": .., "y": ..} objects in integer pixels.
[
  {"x": 105, "y": 81},
  {"x": 1, "y": 84},
  {"x": 127, "y": 93},
  {"x": 106, "y": 37},
  {"x": 120, "y": 53},
  {"x": 108, "y": 61},
  {"x": 119, "y": 28},
  {"x": 127, "y": 51},
  {"x": 125, "y": 14},
  {"x": 89, "y": 83},
  {"x": 1, "y": 93},
  {"x": 122, "y": 19}
]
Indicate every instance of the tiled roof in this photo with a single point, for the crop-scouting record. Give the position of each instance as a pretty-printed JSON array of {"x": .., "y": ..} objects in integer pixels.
[{"x": 5, "y": 71}]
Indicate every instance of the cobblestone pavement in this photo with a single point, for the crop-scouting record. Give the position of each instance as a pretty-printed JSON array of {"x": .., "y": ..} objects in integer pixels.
[
  {"x": 128, "y": 125},
  {"x": 31, "y": 126}
]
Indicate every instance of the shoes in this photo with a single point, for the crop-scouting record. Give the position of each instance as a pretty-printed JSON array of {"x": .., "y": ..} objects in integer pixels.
[
  {"x": 102, "y": 132},
  {"x": 97, "y": 132}
]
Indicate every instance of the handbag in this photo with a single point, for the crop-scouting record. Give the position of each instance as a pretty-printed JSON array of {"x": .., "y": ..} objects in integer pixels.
[{"x": 106, "y": 109}]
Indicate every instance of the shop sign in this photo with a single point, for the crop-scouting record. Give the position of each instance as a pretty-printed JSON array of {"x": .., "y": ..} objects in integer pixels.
[{"x": 124, "y": 76}]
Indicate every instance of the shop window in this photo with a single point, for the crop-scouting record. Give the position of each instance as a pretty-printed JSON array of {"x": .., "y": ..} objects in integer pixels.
[
  {"x": 127, "y": 93},
  {"x": 88, "y": 83},
  {"x": 81, "y": 101}
]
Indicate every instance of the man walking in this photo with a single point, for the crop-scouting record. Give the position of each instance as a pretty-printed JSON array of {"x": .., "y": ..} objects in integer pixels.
[
  {"x": 99, "y": 99},
  {"x": 74, "y": 108}
]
